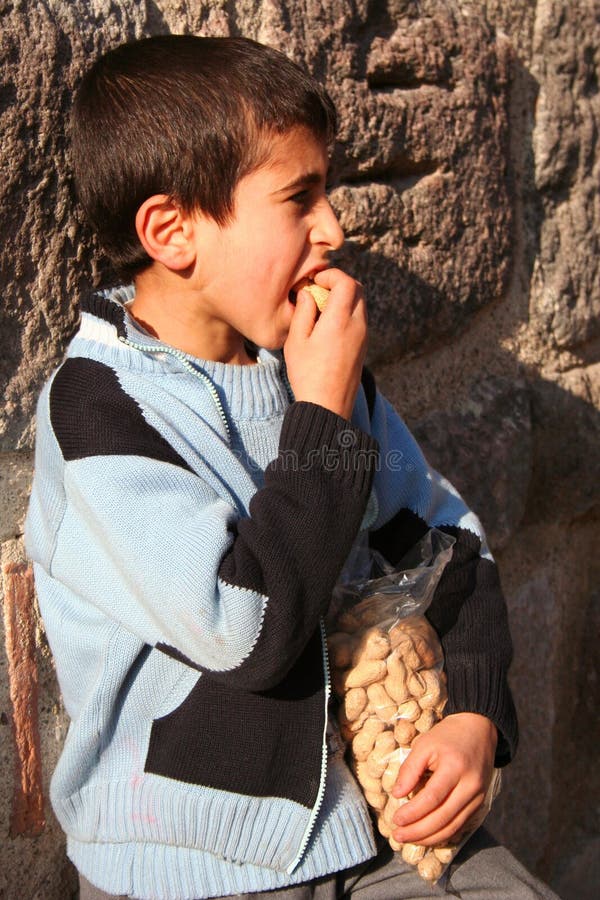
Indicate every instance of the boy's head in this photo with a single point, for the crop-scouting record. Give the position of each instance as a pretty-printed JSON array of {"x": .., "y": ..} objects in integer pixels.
[{"x": 187, "y": 117}]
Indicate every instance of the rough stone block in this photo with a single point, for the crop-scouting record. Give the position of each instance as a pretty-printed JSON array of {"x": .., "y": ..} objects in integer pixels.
[
  {"x": 483, "y": 446},
  {"x": 15, "y": 480}
]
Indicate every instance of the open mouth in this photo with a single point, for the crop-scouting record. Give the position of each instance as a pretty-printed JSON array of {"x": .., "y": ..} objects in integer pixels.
[{"x": 293, "y": 293}]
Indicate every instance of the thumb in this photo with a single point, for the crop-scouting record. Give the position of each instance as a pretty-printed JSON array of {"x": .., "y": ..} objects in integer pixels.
[
  {"x": 410, "y": 773},
  {"x": 305, "y": 314}
]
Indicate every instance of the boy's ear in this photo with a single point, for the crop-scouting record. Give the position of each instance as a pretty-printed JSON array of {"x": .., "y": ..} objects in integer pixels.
[{"x": 166, "y": 232}]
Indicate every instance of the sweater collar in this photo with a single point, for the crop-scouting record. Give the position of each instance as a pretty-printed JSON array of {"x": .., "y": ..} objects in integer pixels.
[{"x": 254, "y": 391}]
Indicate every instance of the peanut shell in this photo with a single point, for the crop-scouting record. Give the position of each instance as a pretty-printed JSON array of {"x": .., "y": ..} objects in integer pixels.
[
  {"x": 319, "y": 295},
  {"x": 377, "y": 800},
  {"x": 355, "y": 701},
  {"x": 366, "y": 779},
  {"x": 382, "y": 703},
  {"x": 411, "y": 711},
  {"x": 412, "y": 853},
  {"x": 379, "y": 757},
  {"x": 374, "y": 645},
  {"x": 366, "y": 672},
  {"x": 430, "y": 868},
  {"x": 363, "y": 741},
  {"x": 433, "y": 689},
  {"x": 445, "y": 854},
  {"x": 426, "y": 721},
  {"x": 404, "y": 732}
]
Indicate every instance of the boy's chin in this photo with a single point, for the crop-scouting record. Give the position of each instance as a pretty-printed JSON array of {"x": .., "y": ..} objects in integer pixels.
[{"x": 272, "y": 346}]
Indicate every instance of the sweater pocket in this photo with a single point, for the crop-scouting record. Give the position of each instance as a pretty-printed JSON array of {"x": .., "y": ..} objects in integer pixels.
[{"x": 261, "y": 744}]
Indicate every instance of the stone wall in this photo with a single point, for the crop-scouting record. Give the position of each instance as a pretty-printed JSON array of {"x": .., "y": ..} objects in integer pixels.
[{"x": 466, "y": 178}]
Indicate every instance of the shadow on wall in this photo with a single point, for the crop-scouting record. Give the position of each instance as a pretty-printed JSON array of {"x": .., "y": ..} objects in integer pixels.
[{"x": 521, "y": 448}]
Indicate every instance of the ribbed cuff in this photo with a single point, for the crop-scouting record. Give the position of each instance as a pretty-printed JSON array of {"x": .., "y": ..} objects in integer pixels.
[
  {"x": 484, "y": 691},
  {"x": 313, "y": 437}
]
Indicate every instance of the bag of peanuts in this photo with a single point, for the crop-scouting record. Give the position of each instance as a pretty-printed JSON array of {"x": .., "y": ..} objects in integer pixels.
[{"x": 387, "y": 673}]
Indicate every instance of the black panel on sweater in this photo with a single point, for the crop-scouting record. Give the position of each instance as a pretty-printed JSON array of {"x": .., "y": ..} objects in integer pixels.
[
  {"x": 370, "y": 388},
  {"x": 92, "y": 415},
  {"x": 394, "y": 539},
  {"x": 266, "y": 744}
]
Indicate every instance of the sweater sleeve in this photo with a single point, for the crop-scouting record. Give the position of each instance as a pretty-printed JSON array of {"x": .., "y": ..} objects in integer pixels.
[
  {"x": 468, "y": 609},
  {"x": 123, "y": 525}
]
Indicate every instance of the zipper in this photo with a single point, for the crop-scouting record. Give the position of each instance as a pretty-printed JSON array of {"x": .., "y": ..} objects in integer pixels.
[
  {"x": 325, "y": 652},
  {"x": 321, "y": 792},
  {"x": 178, "y": 354}
]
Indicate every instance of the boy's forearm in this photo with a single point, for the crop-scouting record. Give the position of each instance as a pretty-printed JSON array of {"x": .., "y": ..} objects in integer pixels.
[
  {"x": 300, "y": 531},
  {"x": 470, "y": 616},
  {"x": 468, "y": 609}
]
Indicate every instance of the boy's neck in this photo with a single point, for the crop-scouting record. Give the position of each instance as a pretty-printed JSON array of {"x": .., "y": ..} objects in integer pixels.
[{"x": 170, "y": 311}]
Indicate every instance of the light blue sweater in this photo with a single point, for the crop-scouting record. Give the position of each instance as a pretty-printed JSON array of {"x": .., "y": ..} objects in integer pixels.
[{"x": 187, "y": 524}]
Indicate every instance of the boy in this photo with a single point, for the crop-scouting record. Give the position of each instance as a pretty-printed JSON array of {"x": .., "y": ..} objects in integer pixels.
[{"x": 197, "y": 493}]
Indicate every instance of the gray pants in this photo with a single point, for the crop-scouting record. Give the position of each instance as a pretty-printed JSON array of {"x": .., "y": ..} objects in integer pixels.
[{"x": 483, "y": 870}]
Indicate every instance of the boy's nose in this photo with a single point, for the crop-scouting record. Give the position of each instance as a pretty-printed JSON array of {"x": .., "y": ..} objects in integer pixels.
[{"x": 327, "y": 229}]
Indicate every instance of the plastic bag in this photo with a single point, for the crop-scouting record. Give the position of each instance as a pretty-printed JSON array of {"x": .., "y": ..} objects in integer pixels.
[{"x": 387, "y": 669}]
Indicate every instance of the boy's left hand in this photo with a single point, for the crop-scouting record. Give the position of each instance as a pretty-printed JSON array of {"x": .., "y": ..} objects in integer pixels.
[{"x": 459, "y": 752}]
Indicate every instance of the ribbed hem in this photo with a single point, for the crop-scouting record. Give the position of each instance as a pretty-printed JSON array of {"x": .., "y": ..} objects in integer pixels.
[
  {"x": 315, "y": 437},
  {"x": 159, "y": 810},
  {"x": 343, "y": 838}
]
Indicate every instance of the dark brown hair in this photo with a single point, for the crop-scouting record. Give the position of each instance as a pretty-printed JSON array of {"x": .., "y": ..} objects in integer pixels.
[{"x": 183, "y": 116}]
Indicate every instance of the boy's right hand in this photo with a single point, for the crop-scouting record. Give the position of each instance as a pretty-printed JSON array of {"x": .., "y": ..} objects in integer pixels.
[{"x": 324, "y": 353}]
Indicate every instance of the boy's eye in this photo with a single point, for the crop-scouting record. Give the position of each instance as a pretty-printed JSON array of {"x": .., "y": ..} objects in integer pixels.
[{"x": 302, "y": 198}]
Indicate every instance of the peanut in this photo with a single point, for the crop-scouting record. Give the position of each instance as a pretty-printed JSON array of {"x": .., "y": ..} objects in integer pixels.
[
  {"x": 391, "y": 808},
  {"x": 433, "y": 689},
  {"x": 394, "y": 844},
  {"x": 382, "y": 703},
  {"x": 406, "y": 649},
  {"x": 426, "y": 721},
  {"x": 383, "y": 827},
  {"x": 412, "y": 853},
  {"x": 376, "y": 799},
  {"x": 416, "y": 685},
  {"x": 379, "y": 756},
  {"x": 404, "y": 732},
  {"x": 430, "y": 868},
  {"x": 363, "y": 741},
  {"x": 390, "y": 776},
  {"x": 409, "y": 710},
  {"x": 319, "y": 295},
  {"x": 396, "y": 688},
  {"x": 366, "y": 672},
  {"x": 445, "y": 854},
  {"x": 366, "y": 779},
  {"x": 355, "y": 702},
  {"x": 374, "y": 645}
]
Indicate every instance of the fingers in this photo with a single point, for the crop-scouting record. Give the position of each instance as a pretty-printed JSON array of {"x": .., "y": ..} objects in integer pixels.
[
  {"x": 304, "y": 318},
  {"x": 346, "y": 293},
  {"x": 444, "y": 803},
  {"x": 443, "y": 824},
  {"x": 418, "y": 761}
]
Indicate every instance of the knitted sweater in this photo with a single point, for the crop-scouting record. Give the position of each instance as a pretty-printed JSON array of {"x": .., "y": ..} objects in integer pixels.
[{"x": 187, "y": 524}]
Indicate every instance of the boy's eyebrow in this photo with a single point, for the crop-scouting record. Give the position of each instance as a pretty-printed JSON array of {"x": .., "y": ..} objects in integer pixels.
[{"x": 308, "y": 179}]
